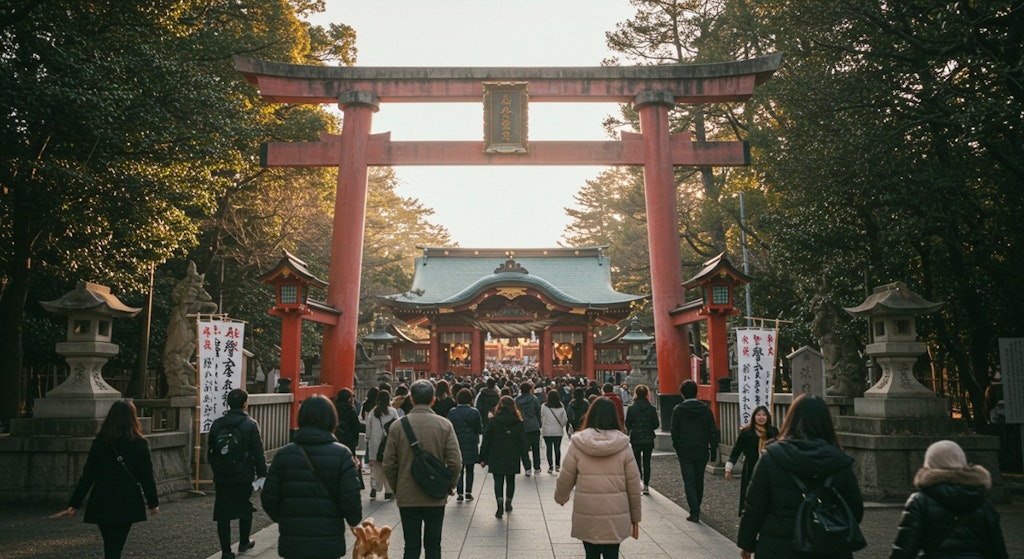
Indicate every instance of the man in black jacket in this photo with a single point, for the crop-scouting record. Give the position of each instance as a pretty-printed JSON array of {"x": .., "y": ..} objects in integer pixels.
[
  {"x": 694, "y": 437},
  {"x": 233, "y": 477}
]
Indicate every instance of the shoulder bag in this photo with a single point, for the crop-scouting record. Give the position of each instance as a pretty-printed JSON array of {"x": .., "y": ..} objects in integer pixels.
[{"x": 430, "y": 473}]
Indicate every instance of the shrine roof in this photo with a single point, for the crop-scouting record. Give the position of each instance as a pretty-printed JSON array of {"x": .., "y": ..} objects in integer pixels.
[{"x": 576, "y": 276}]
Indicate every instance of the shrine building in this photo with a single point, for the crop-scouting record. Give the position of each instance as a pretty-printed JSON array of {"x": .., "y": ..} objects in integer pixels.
[{"x": 471, "y": 310}]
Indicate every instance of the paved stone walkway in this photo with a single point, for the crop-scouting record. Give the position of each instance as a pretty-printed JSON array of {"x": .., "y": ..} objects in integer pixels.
[{"x": 537, "y": 528}]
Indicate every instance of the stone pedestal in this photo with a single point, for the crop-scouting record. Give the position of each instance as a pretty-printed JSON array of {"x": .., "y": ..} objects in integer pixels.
[{"x": 84, "y": 395}]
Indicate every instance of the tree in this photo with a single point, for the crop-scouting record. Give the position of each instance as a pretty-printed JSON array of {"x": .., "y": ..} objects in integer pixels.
[{"x": 120, "y": 123}]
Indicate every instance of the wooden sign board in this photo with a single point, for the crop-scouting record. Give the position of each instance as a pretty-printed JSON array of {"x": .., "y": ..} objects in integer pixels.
[{"x": 506, "y": 112}]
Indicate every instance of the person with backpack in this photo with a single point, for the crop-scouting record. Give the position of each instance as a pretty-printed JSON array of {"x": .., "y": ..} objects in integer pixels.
[
  {"x": 641, "y": 424},
  {"x": 806, "y": 452},
  {"x": 487, "y": 400},
  {"x": 235, "y": 453},
  {"x": 695, "y": 440},
  {"x": 949, "y": 516},
  {"x": 468, "y": 428}
]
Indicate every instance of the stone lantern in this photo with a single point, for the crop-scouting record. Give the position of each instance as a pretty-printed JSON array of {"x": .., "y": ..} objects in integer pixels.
[
  {"x": 637, "y": 341},
  {"x": 380, "y": 341},
  {"x": 91, "y": 309},
  {"x": 890, "y": 311}
]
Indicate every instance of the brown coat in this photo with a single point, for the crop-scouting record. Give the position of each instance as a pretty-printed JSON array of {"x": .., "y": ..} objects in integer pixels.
[
  {"x": 600, "y": 465},
  {"x": 437, "y": 436}
]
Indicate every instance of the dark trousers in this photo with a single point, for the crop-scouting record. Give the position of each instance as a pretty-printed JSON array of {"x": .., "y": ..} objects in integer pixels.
[
  {"x": 554, "y": 444},
  {"x": 224, "y": 532},
  {"x": 504, "y": 486},
  {"x": 114, "y": 536},
  {"x": 466, "y": 475},
  {"x": 533, "y": 439},
  {"x": 422, "y": 529},
  {"x": 693, "y": 482},
  {"x": 601, "y": 550},
  {"x": 643, "y": 461}
]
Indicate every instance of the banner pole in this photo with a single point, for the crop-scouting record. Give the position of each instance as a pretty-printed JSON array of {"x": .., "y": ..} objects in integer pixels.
[{"x": 197, "y": 437}]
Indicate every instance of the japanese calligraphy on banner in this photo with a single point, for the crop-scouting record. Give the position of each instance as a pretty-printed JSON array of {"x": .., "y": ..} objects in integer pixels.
[
  {"x": 220, "y": 367},
  {"x": 1011, "y": 366},
  {"x": 755, "y": 355}
]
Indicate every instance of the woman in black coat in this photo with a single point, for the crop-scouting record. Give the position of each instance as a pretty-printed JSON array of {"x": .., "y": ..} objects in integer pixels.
[
  {"x": 349, "y": 425},
  {"x": 468, "y": 428},
  {"x": 503, "y": 449},
  {"x": 750, "y": 443},
  {"x": 119, "y": 470},
  {"x": 312, "y": 488},
  {"x": 949, "y": 516},
  {"x": 641, "y": 424},
  {"x": 807, "y": 448}
]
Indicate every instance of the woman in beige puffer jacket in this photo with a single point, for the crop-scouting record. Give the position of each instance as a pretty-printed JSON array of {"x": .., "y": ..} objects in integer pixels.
[{"x": 600, "y": 465}]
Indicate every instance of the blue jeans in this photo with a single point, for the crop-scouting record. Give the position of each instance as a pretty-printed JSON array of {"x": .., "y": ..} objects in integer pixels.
[
  {"x": 693, "y": 482},
  {"x": 422, "y": 529}
]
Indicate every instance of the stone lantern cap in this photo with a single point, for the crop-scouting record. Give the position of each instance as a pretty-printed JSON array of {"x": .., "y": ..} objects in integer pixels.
[
  {"x": 635, "y": 334},
  {"x": 90, "y": 298},
  {"x": 893, "y": 299}
]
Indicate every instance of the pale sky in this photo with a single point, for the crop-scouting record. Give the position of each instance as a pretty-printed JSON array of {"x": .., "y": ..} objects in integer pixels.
[{"x": 508, "y": 206}]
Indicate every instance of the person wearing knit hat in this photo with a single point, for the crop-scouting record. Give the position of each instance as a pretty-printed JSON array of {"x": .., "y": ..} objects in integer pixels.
[{"x": 949, "y": 515}]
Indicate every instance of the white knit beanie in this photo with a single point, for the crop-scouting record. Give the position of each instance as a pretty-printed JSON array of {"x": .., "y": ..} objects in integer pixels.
[{"x": 945, "y": 455}]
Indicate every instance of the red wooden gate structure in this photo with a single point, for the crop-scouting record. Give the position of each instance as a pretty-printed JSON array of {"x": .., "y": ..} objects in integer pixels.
[{"x": 360, "y": 92}]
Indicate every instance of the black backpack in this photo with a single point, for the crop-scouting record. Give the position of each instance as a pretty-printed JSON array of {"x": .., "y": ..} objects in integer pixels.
[
  {"x": 379, "y": 455},
  {"x": 824, "y": 522},
  {"x": 230, "y": 454}
]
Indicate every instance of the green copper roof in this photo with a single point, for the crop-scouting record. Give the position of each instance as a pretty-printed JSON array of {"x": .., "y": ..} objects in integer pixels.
[{"x": 574, "y": 276}]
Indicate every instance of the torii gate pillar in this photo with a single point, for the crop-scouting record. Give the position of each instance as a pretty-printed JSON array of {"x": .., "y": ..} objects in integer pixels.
[
  {"x": 663, "y": 238},
  {"x": 338, "y": 359}
]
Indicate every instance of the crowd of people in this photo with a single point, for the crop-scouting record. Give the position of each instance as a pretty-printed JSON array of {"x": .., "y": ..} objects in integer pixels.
[{"x": 313, "y": 486}]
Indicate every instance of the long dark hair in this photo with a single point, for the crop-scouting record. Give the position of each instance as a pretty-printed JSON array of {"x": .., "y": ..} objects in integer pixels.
[
  {"x": 808, "y": 418},
  {"x": 602, "y": 415},
  {"x": 383, "y": 403},
  {"x": 553, "y": 400},
  {"x": 121, "y": 423}
]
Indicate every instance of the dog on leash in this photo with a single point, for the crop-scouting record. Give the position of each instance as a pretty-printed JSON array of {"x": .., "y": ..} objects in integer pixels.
[{"x": 371, "y": 541}]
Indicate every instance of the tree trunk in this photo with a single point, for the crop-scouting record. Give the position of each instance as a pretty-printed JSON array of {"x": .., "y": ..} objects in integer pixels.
[{"x": 12, "y": 307}]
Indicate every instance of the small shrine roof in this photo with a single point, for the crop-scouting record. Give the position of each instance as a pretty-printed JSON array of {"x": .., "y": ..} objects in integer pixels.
[
  {"x": 290, "y": 264},
  {"x": 717, "y": 266},
  {"x": 90, "y": 297},
  {"x": 576, "y": 276}
]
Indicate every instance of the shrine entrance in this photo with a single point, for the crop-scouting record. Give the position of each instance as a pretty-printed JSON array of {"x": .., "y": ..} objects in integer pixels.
[{"x": 505, "y": 94}]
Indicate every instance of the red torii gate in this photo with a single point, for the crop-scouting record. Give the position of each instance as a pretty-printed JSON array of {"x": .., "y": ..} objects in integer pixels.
[{"x": 359, "y": 92}]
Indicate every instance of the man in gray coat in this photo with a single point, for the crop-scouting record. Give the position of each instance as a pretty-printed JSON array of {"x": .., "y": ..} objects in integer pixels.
[{"x": 422, "y": 515}]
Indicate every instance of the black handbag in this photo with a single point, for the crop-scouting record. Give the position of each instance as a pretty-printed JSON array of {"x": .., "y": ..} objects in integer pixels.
[{"x": 430, "y": 473}]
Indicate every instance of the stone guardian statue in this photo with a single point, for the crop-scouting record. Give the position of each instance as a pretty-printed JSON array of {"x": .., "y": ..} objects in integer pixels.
[{"x": 190, "y": 299}]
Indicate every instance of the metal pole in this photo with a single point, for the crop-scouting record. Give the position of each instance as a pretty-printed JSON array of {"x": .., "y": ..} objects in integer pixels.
[
  {"x": 147, "y": 322},
  {"x": 746, "y": 257}
]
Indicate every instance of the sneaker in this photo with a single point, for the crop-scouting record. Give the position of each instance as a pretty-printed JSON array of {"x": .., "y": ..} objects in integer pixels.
[
  {"x": 537, "y": 471},
  {"x": 558, "y": 468},
  {"x": 528, "y": 471},
  {"x": 551, "y": 469},
  {"x": 460, "y": 498},
  {"x": 647, "y": 490},
  {"x": 469, "y": 496}
]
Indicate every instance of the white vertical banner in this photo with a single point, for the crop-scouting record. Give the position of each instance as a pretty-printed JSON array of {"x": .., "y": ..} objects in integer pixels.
[
  {"x": 1011, "y": 366},
  {"x": 755, "y": 351},
  {"x": 220, "y": 367}
]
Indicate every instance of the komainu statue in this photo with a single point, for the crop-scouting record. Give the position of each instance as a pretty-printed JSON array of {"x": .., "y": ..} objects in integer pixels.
[
  {"x": 844, "y": 366},
  {"x": 190, "y": 298}
]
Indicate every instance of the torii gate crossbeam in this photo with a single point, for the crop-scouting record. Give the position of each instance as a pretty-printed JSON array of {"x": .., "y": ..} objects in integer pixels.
[{"x": 359, "y": 92}]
